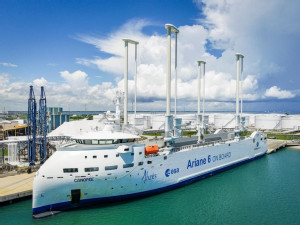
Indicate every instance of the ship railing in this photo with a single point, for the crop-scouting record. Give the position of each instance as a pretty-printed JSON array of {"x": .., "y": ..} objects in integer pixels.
[{"x": 190, "y": 147}]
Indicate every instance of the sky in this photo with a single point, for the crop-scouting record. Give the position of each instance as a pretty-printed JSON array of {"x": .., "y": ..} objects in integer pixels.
[{"x": 75, "y": 50}]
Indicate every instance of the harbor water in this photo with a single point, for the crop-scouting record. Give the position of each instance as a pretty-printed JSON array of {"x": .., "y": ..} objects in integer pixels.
[{"x": 265, "y": 191}]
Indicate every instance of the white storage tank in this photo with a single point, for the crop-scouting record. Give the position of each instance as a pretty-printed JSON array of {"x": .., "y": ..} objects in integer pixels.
[
  {"x": 268, "y": 121},
  {"x": 290, "y": 121}
]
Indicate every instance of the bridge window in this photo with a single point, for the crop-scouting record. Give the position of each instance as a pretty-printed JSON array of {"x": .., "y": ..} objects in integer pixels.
[
  {"x": 141, "y": 163},
  {"x": 70, "y": 170},
  {"x": 116, "y": 141},
  {"x": 124, "y": 140},
  {"x": 88, "y": 142},
  {"x": 91, "y": 169},
  {"x": 128, "y": 165},
  {"x": 111, "y": 167}
]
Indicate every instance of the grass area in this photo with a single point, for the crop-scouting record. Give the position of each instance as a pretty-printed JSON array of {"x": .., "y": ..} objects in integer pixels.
[
  {"x": 188, "y": 132},
  {"x": 283, "y": 136},
  {"x": 155, "y": 134},
  {"x": 5, "y": 152},
  {"x": 246, "y": 133},
  {"x": 90, "y": 117}
]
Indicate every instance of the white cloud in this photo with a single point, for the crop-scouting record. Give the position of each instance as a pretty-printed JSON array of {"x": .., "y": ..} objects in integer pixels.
[
  {"x": 220, "y": 83},
  {"x": 276, "y": 92},
  {"x": 77, "y": 80},
  {"x": 40, "y": 82},
  {"x": 7, "y": 64}
]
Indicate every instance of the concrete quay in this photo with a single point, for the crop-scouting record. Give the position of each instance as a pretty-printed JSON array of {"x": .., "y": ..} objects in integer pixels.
[
  {"x": 274, "y": 145},
  {"x": 15, "y": 187}
]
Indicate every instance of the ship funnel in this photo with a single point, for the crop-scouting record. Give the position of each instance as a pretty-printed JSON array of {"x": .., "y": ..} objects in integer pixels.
[
  {"x": 239, "y": 66},
  {"x": 126, "y": 41}
]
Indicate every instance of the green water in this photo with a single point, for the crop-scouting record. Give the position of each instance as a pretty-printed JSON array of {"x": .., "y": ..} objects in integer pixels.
[{"x": 265, "y": 191}]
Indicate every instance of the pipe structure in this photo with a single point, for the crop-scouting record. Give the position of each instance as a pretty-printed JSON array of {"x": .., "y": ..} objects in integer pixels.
[
  {"x": 126, "y": 41},
  {"x": 135, "y": 78},
  {"x": 200, "y": 119},
  {"x": 237, "y": 119},
  {"x": 203, "y": 101},
  {"x": 175, "y": 103},
  {"x": 170, "y": 28},
  {"x": 242, "y": 62}
]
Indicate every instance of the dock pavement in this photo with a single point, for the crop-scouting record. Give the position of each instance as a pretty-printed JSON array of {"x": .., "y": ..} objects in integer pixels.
[{"x": 15, "y": 187}]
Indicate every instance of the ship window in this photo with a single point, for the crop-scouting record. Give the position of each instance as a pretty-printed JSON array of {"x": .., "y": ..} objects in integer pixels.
[
  {"x": 124, "y": 140},
  {"x": 165, "y": 157},
  {"x": 109, "y": 142},
  {"x": 116, "y": 141},
  {"x": 253, "y": 140},
  {"x": 128, "y": 165},
  {"x": 91, "y": 169},
  {"x": 94, "y": 142},
  {"x": 111, "y": 167},
  {"x": 132, "y": 153},
  {"x": 105, "y": 156},
  {"x": 141, "y": 163},
  {"x": 117, "y": 155},
  {"x": 149, "y": 162},
  {"x": 88, "y": 142},
  {"x": 70, "y": 170},
  {"x": 94, "y": 156},
  {"x": 102, "y": 142},
  {"x": 140, "y": 153}
]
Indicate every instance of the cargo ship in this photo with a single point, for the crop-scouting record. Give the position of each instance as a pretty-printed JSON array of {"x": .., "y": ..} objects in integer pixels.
[{"x": 115, "y": 165}]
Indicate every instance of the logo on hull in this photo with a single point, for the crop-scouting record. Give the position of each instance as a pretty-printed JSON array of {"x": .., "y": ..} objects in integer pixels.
[{"x": 168, "y": 172}]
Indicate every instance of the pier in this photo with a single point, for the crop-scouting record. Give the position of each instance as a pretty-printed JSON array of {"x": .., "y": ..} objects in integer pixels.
[
  {"x": 274, "y": 145},
  {"x": 15, "y": 187}
]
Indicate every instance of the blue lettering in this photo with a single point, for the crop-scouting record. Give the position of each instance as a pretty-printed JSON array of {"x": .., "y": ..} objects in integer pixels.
[
  {"x": 168, "y": 172},
  {"x": 196, "y": 163},
  {"x": 83, "y": 179},
  {"x": 148, "y": 177}
]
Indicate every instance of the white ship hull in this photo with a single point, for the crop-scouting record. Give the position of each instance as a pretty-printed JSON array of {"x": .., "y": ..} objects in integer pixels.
[{"x": 55, "y": 190}]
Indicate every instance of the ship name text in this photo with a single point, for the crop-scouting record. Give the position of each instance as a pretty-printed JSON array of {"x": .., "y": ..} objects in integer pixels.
[
  {"x": 148, "y": 177},
  {"x": 208, "y": 159}
]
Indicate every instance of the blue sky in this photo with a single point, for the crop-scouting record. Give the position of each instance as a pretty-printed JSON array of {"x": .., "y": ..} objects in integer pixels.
[{"x": 75, "y": 50}]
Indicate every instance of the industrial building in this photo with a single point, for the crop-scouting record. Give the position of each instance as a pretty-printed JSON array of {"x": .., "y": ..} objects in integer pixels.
[{"x": 56, "y": 117}]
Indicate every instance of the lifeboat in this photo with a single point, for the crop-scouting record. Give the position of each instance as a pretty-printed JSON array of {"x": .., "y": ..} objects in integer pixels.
[{"x": 151, "y": 149}]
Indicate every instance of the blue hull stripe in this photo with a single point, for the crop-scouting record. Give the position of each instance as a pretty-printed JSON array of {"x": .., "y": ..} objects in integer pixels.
[{"x": 67, "y": 205}]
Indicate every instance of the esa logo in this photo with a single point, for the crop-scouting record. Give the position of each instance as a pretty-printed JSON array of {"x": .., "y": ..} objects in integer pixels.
[{"x": 171, "y": 171}]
